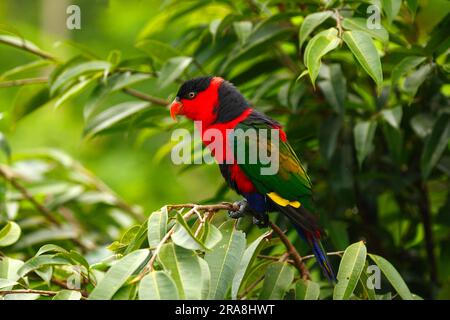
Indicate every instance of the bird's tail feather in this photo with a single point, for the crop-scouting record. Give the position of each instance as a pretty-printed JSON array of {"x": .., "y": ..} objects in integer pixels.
[
  {"x": 321, "y": 256},
  {"x": 308, "y": 229}
]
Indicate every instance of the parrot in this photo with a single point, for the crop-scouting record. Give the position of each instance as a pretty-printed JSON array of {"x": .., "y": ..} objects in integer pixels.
[{"x": 214, "y": 103}]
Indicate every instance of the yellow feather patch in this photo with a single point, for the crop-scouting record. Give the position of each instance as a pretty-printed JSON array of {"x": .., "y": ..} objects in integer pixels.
[{"x": 283, "y": 202}]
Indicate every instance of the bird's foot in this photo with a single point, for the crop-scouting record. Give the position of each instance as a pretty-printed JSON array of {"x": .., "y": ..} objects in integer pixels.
[
  {"x": 243, "y": 205},
  {"x": 261, "y": 220}
]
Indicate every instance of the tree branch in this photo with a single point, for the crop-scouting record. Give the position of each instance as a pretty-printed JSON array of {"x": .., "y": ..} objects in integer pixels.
[
  {"x": 31, "y": 291},
  {"x": 146, "y": 97},
  {"x": 8, "y": 176},
  {"x": 21, "y": 82},
  {"x": 24, "y": 46},
  {"x": 298, "y": 262}
]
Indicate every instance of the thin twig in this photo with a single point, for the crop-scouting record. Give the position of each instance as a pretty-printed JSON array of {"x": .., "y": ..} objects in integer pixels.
[
  {"x": 149, "y": 267},
  {"x": 338, "y": 18},
  {"x": 22, "y": 82},
  {"x": 64, "y": 285},
  {"x": 8, "y": 176},
  {"x": 304, "y": 272},
  {"x": 24, "y": 46},
  {"x": 41, "y": 292},
  {"x": 298, "y": 262},
  {"x": 146, "y": 97}
]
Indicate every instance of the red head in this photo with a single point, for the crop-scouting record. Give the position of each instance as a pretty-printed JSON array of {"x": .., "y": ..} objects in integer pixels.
[{"x": 208, "y": 99}]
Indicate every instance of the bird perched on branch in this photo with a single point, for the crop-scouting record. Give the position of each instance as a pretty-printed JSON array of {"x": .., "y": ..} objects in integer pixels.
[{"x": 218, "y": 107}]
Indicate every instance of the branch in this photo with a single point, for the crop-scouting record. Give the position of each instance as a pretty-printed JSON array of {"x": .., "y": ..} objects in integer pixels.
[
  {"x": 8, "y": 176},
  {"x": 298, "y": 262},
  {"x": 32, "y": 291},
  {"x": 34, "y": 50},
  {"x": 146, "y": 97},
  {"x": 41, "y": 292},
  {"x": 21, "y": 82},
  {"x": 338, "y": 18}
]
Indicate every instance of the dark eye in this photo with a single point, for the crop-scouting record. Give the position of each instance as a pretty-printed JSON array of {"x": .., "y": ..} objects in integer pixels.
[{"x": 192, "y": 94}]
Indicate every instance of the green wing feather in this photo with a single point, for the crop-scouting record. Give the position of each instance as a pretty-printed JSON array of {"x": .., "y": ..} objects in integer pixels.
[{"x": 291, "y": 182}]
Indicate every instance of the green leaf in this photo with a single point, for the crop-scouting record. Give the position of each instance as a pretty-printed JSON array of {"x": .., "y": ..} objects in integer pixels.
[
  {"x": 412, "y": 6},
  {"x": 364, "y": 50},
  {"x": 113, "y": 84},
  {"x": 277, "y": 279},
  {"x": 391, "y": 8},
  {"x": 33, "y": 65},
  {"x": 73, "y": 91},
  {"x": 29, "y": 99},
  {"x": 9, "y": 234},
  {"x": 172, "y": 70},
  {"x": 158, "y": 285},
  {"x": 360, "y": 24},
  {"x": 246, "y": 263},
  {"x": 393, "y": 276},
  {"x": 350, "y": 268},
  {"x": 76, "y": 71},
  {"x": 403, "y": 67},
  {"x": 4, "y": 146},
  {"x": 328, "y": 136},
  {"x": 45, "y": 235},
  {"x": 320, "y": 45},
  {"x": 435, "y": 145},
  {"x": 158, "y": 50},
  {"x": 118, "y": 274},
  {"x": 67, "y": 295},
  {"x": 184, "y": 237},
  {"x": 184, "y": 268},
  {"x": 311, "y": 22},
  {"x": 224, "y": 260},
  {"x": 334, "y": 87},
  {"x": 9, "y": 268},
  {"x": 422, "y": 124},
  {"x": 5, "y": 283},
  {"x": 41, "y": 261},
  {"x": 393, "y": 116},
  {"x": 415, "y": 80},
  {"x": 243, "y": 29},
  {"x": 263, "y": 35},
  {"x": 206, "y": 278},
  {"x": 212, "y": 235},
  {"x": 307, "y": 290},
  {"x": 21, "y": 296},
  {"x": 364, "y": 133},
  {"x": 369, "y": 292},
  {"x": 113, "y": 115},
  {"x": 157, "y": 227}
]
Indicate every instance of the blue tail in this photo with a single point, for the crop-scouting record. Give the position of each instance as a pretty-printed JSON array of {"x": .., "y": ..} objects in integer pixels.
[{"x": 319, "y": 252}]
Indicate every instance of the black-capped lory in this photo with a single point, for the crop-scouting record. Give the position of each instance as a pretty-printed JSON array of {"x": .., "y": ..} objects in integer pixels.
[{"x": 218, "y": 107}]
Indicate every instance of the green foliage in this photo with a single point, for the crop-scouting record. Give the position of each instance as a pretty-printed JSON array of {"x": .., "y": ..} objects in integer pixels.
[{"x": 371, "y": 123}]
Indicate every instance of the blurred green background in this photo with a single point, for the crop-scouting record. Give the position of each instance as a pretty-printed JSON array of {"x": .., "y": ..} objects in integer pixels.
[{"x": 123, "y": 161}]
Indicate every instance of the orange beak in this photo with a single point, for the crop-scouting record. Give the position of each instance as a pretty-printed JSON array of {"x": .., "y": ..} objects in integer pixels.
[{"x": 176, "y": 108}]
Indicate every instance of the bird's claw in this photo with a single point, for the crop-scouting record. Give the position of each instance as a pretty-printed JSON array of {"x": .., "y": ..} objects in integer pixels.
[
  {"x": 262, "y": 221},
  {"x": 240, "y": 212}
]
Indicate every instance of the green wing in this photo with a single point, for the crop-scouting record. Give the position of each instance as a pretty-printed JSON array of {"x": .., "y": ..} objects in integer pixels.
[{"x": 290, "y": 183}]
